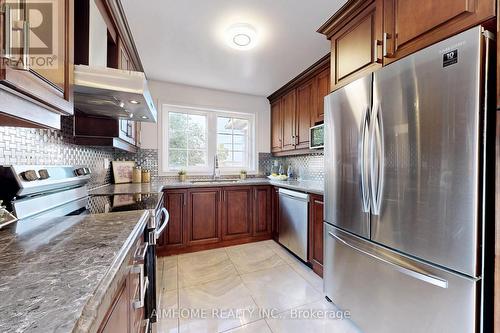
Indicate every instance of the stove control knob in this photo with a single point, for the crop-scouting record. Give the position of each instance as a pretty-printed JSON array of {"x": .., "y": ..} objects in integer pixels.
[
  {"x": 43, "y": 173},
  {"x": 80, "y": 172},
  {"x": 29, "y": 175}
]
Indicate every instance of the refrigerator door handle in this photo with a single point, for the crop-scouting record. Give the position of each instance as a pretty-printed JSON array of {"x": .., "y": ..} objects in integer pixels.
[
  {"x": 376, "y": 159},
  {"x": 365, "y": 129},
  {"x": 400, "y": 266}
]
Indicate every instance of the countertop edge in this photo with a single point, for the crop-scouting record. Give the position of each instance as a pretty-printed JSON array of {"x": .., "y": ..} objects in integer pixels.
[{"x": 91, "y": 316}]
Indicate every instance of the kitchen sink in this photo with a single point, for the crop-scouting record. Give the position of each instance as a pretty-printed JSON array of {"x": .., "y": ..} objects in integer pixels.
[{"x": 215, "y": 181}]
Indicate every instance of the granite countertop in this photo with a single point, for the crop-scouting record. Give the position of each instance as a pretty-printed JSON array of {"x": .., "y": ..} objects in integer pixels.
[
  {"x": 308, "y": 186},
  {"x": 55, "y": 274}
]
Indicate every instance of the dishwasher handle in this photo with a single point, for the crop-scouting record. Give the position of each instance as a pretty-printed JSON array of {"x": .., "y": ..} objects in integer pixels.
[{"x": 294, "y": 194}]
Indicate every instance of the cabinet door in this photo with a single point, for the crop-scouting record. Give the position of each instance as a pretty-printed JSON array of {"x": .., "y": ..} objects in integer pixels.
[
  {"x": 204, "y": 216},
  {"x": 288, "y": 106},
  {"x": 355, "y": 47},
  {"x": 236, "y": 212},
  {"x": 306, "y": 105},
  {"x": 37, "y": 61},
  {"x": 322, "y": 90},
  {"x": 275, "y": 212},
  {"x": 176, "y": 204},
  {"x": 262, "y": 212},
  {"x": 411, "y": 25},
  {"x": 316, "y": 234},
  {"x": 117, "y": 319},
  {"x": 276, "y": 126}
]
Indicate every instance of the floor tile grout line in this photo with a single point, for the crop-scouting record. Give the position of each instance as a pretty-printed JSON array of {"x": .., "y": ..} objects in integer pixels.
[{"x": 240, "y": 274}]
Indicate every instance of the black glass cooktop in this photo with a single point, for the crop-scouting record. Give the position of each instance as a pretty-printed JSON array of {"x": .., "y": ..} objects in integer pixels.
[{"x": 122, "y": 202}]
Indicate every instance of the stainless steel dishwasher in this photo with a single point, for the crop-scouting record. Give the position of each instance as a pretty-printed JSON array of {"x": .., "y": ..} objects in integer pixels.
[{"x": 293, "y": 213}]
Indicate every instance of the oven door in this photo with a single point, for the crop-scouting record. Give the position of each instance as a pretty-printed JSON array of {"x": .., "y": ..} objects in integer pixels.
[{"x": 156, "y": 228}]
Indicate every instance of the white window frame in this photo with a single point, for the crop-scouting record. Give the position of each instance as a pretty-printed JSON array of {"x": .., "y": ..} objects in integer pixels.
[{"x": 212, "y": 115}]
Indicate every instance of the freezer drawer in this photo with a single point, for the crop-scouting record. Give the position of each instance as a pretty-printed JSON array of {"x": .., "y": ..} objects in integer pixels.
[{"x": 387, "y": 292}]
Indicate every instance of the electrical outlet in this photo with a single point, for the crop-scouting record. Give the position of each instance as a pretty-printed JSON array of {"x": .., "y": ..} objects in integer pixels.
[{"x": 106, "y": 164}]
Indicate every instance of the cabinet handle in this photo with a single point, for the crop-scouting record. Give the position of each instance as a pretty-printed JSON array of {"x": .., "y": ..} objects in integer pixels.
[
  {"x": 386, "y": 36},
  {"x": 376, "y": 44}
]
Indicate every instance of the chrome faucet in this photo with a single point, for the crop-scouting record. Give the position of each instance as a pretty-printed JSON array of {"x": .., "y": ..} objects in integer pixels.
[{"x": 216, "y": 173}]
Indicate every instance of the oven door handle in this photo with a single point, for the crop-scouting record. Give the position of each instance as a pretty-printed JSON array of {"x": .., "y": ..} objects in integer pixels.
[{"x": 165, "y": 222}]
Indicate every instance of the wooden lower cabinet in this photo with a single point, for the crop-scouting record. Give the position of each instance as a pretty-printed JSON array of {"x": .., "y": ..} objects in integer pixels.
[
  {"x": 175, "y": 235},
  {"x": 316, "y": 205},
  {"x": 204, "y": 216},
  {"x": 118, "y": 317},
  {"x": 262, "y": 210},
  {"x": 236, "y": 212},
  {"x": 121, "y": 316},
  {"x": 275, "y": 213}
]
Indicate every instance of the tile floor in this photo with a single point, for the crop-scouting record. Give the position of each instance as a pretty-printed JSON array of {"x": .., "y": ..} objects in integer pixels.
[{"x": 252, "y": 288}]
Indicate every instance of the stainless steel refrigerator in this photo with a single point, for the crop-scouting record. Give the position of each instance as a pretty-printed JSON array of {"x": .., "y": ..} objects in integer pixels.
[{"x": 405, "y": 190}]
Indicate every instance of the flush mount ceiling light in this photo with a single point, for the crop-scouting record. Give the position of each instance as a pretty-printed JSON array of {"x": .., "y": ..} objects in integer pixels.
[
  {"x": 133, "y": 101},
  {"x": 241, "y": 36}
]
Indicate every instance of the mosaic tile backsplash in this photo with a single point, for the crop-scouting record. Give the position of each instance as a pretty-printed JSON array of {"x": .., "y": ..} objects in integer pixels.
[
  {"x": 51, "y": 147},
  {"x": 306, "y": 167}
]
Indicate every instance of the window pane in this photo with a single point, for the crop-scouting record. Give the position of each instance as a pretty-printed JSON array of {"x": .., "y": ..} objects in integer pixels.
[
  {"x": 177, "y": 140},
  {"x": 240, "y": 126},
  {"x": 177, "y": 121},
  {"x": 239, "y": 147},
  {"x": 197, "y": 158},
  {"x": 238, "y": 158},
  {"x": 239, "y": 139},
  {"x": 224, "y": 138},
  {"x": 197, "y": 129},
  {"x": 224, "y": 125},
  {"x": 177, "y": 159}
]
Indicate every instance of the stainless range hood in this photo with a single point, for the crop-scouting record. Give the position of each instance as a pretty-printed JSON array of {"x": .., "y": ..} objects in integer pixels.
[{"x": 113, "y": 93}]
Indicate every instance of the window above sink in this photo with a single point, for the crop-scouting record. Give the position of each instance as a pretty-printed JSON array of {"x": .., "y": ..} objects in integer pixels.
[{"x": 191, "y": 137}]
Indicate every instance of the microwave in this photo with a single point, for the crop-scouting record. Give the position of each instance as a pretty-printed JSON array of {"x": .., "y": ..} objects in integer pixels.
[{"x": 317, "y": 137}]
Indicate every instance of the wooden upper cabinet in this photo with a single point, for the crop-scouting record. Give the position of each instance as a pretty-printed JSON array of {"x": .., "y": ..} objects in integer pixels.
[
  {"x": 37, "y": 61},
  {"x": 236, "y": 212},
  {"x": 204, "y": 208},
  {"x": 322, "y": 90},
  {"x": 306, "y": 107},
  {"x": 355, "y": 47},
  {"x": 288, "y": 111},
  {"x": 368, "y": 34},
  {"x": 410, "y": 25},
  {"x": 276, "y": 126}
]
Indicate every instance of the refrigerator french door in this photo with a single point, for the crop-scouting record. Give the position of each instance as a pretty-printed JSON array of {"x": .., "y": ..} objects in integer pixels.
[{"x": 404, "y": 150}]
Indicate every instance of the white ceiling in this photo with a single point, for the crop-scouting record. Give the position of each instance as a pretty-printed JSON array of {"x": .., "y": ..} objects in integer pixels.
[{"x": 182, "y": 41}]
